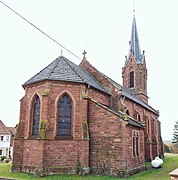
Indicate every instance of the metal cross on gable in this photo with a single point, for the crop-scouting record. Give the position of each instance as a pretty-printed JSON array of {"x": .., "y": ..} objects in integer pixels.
[{"x": 84, "y": 53}]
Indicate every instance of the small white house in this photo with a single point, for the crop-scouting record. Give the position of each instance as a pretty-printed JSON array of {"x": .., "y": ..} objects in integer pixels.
[{"x": 6, "y": 140}]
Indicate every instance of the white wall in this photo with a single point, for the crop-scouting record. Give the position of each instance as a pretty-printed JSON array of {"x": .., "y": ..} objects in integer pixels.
[{"x": 5, "y": 145}]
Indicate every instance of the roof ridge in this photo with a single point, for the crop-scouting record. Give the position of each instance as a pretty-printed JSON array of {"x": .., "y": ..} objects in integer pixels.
[
  {"x": 94, "y": 67},
  {"x": 74, "y": 69},
  {"x": 39, "y": 72},
  {"x": 55, "y": 65},
  {"x": 139, "y": 100},
  {"x": 120, "y": 114}
]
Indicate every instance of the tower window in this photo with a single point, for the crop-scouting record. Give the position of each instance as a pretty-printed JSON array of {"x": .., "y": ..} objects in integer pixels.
[{"x": 131, "y": 79}]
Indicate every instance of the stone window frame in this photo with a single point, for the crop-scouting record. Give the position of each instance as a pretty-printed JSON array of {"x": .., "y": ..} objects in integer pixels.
[
  {"x": 72, "y": 116},
  {"x": 135, "y": 144}
]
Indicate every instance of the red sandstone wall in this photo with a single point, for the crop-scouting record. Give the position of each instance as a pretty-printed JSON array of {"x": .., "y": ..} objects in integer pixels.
[
  {"x": 33, "y": 153},
  {"x": 152, "y": 147},
  {"x": 30, "y": 153},
  {"x": 66, "y": 153},
  {"x": 103, "y": 80},
  {"x": 130, "y": 160},
  {"x": 18, "y": 146},
  {"x": 49, "y": 106},
  {"x": 111, "y": 143}
]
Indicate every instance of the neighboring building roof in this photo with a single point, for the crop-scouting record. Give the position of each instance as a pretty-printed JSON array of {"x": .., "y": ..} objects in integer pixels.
[
  {"x": 3, "y": 129},
  {"x": 63, "y": 69},
  {"x": 12, "y": 130}
]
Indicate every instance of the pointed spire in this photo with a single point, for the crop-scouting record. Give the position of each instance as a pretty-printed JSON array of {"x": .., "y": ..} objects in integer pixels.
[{"x": 134, "y": 42}]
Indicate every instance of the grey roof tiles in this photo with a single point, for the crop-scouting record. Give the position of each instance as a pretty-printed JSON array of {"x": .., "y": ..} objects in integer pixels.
[{"x": 62, "y": 69}]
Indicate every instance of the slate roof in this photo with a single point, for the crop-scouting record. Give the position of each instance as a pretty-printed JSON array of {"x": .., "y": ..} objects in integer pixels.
[
  {"x": 3, "y": 129},
  {"x": 135, "y": 123},
  {"x": 62, "y": 69},
  {"x": 129, "y": 95},
  {"x": 117, "y": 113},
  {"x": 12, "y": 130},
  {"x": 136, "y": 99}
]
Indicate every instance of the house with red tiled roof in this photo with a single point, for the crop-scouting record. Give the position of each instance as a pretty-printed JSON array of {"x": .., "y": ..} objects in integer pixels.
[{"x": 6, "y": 140}]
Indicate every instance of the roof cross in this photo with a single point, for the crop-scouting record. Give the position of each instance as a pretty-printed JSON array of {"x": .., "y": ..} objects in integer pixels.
[{"x": 84, "y": 53}]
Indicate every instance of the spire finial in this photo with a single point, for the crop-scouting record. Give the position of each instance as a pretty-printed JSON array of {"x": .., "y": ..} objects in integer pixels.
[
  {"x": 61, "y": 52},
  {"x": 133, "y": 7},
  {"x": 84, "y": 53}
]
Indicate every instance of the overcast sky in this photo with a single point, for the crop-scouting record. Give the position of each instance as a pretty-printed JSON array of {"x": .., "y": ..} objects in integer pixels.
[{"x": 103, "y": 29}]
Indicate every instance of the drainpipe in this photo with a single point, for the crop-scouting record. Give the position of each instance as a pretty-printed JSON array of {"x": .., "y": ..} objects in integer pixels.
[{"x": 157, "y": 116}]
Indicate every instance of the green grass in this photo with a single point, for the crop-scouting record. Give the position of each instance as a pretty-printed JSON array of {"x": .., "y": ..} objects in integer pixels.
[{"x": 170, "y": 163}]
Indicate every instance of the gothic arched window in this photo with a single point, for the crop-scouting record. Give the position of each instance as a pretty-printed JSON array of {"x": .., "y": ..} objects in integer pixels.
[
  {"x": 64, "y": 116},
  {"x": 36, "y": 116}
]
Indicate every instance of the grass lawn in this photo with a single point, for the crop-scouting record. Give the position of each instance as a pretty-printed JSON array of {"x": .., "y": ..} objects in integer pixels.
[{"x": 170, "y": 163}]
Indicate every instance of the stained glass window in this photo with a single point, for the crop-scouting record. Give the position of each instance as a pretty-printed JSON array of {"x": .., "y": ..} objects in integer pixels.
[
  {"x": 64, "y": 116},
  {"x": 36, "y": 116}
]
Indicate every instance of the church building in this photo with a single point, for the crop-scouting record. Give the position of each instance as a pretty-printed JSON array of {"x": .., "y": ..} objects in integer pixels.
[{"x": 76, "y": 120}]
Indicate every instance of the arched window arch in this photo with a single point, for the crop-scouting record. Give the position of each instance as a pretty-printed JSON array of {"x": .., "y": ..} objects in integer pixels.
[
  {"x": 36, "y": 115},
  {"x": 64, "y": 116}
]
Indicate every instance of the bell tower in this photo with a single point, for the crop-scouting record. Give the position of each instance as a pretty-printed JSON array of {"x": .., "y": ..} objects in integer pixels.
[{"x": 134, "y": 72}]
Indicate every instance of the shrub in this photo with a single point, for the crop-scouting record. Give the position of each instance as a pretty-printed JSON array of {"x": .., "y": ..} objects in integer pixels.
[
  {"x": 167, "y": 149},
  {"x": 6, "y": 160},
  {"x": 2, "y": 158}
]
